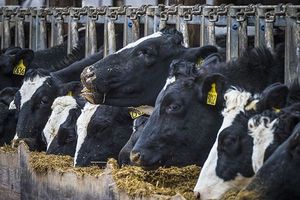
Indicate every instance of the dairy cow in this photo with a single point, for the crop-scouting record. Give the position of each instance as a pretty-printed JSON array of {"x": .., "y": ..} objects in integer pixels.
[
  {"x": 246, "y": 138},
  {"x": 101, "y": 133},
  {"x": 135, "y": 74},
  {"x": 8, "y": 117},
  {"x": 35, "y": 97},
  {"x": 278, "y": 178},
  {"x": 186, "y": 118}
]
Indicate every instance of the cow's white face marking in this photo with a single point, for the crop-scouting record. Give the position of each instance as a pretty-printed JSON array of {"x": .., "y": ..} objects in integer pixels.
[
  {"x": 60, "y": 111},
  {"x": 29, "y": 87},
  {"x": 12, "y": 105},
  {"x": 82, "y": 124},
  {"x": 261, "y": 130},
  {"x": 169, "y": 80},
  {"x": 209, "y": 185},
  {"x": 134, "y": 44}
]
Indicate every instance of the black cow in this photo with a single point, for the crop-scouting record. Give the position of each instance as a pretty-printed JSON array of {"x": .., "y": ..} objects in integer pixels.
[
  {"x": 101, "y": 133},
  {"x": 278, "y": 178},
  {"x": 138, "y": 125},
  {"x": 134, "y": 75},
  {"x": 15, "y": 61},
  {"x": 34, "y": 99},
  {"x": 186, "y": 118},
  {"x": 7, "y": 117},
  {"x": 247, "y": 138}
]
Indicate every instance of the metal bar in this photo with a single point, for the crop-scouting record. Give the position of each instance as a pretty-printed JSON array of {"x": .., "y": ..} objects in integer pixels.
[
  {"x": 6, "y": 31},
  {"x": 149, "y": 22},
  {"x": 269, "y": 38},
  {"x": 202, "y": 31},
  {"x": 232, "y": 37},
  {"x": 92, "y": 37},
  {"x": 211, "y": 33},
  {"x": 243, "y": 37},
  {"x": 135, "y": 30},
  {"x": 111, "y": 36},
  {"x": 60, "y": 31},
  {"x": 20, "y": 36},
  {"x": 42, "y": 44},
  {"x": 185, "y": 33},
  {"x": 297, "y": 49}
]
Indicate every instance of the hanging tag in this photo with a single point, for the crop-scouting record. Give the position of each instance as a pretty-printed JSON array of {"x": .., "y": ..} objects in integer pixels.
[
  {"x": 70, "y": 93},
  {"x": 135, "y": 113},
  {"x": 20, "y": 68},
  {"x": 212, "y": 95},
  {"x": 276, "y": 110}
]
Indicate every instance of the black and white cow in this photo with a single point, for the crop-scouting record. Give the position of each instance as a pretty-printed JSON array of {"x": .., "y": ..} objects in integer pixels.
[
  {"x": 34, "y": 99},
  {"x": 135, "y": 74},
  {"x": 60, "y": 130},
  {"x": 102, "y": 131},
  {"x": 15, "y": 61},
  {"x": 246, "y": 138},
  {"x": 186, "y": 118},
  {"x": 279, "y": 177},
  {"x": 7, "y": 117},
  {"x": 138, "y": 125}
]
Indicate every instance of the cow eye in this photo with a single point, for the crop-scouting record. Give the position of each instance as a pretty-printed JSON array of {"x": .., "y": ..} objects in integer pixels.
[
  {"x": 44, "y": 100},
  {"x": 229, "y": 141},
  {"x": 173, "y": 108}
]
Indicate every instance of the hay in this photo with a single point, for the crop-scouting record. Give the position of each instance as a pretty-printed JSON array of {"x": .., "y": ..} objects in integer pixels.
[
  {"x": 230, "y": 194},
  {"x": 248, "y": 195},
  {"x": 8, "y": 149},
  {"x": 42, "y": 163},
  {"x": 163, "y": 181}
]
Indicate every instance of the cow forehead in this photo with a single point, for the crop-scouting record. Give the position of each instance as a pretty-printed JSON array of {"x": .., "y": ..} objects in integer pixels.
[
  {"x": 64, "y": 101},
  {"x": 30, "y": 86},
  {"x": 134, "y": 44},
  {"x": 82, "y": 124}
]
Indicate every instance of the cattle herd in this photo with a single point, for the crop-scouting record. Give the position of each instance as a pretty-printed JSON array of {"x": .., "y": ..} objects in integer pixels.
[{"x": 157, "y": 103}]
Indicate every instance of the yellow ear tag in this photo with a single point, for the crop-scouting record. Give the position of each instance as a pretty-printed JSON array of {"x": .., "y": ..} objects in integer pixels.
[
  {"x": 199, "y": 62},
  {"x": 276, "y": 110},
  {"x": 70, "y": 93},
  {"x": 212, "y": 95},
  {"x": 135, "y": 114},
  {"x": 20, "y": 68}
]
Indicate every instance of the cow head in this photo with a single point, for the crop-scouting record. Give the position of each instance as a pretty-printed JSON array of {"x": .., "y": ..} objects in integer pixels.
[
  {"x": 134, "y": 75},
  {"x": 102, "y": 132},
  {"x": 184, "y": 123},
  {"x": 230, "y": 161},
  {"x": 12, "y": 58},
  {"x": 284, "y": 165},
  {"x": 33, "y": 102},
  {"x": 138, "y": 125}
]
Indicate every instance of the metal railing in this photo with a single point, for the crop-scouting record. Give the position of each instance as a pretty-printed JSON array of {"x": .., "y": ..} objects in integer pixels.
[{"x": 238, "y": 25}]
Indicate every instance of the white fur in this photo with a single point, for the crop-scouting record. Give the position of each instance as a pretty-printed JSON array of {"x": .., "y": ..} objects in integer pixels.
[
  {"x": 82, "y": 124},
  {"x": 209, "y": 185},
  {"x": 263, "y": 136},
  {"x": 169, "y": 81},
  {"x": 134, "y": 44},
  {"x": 60, "y": 111},
  {"x": 12, "y": 105},
  {"x": 30, "y": 87}
]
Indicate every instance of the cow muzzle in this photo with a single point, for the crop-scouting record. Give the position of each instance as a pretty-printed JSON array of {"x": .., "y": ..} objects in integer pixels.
[
  {"x": 87, "y": 77},
  {"x": 135, "y": 157}
]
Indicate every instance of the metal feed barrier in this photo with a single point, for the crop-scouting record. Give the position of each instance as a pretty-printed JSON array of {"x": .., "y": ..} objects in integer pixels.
[{"x": 237, "y": 23}]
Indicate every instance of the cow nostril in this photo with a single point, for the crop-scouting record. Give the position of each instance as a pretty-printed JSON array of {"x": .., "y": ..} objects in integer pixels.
[
  {"x": 135, "y": 157},
  {"x": 197, "y": 195}
]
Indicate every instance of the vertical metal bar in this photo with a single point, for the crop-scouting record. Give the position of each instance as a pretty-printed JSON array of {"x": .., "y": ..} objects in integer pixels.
[
  {"x": 202, "y": 31},
  {"x": 74, "y": 32},
  {"x": 6, "y": 31},
  {"x": 269, "y": 38},
  {"x": 184, "y": 30},
  {"x": 297, "y": 42},
  {"x": 31, "y": 33},
  {"x": 211, "y": 33},
  {"x": 53, "y": 32},
  {"x": 259, "y": 28},
  {"x": 243, "y": 38},
  {"x": 111, "y": 36},
  {"x": 127, "y": 31},
  {"x": 135, "y": 30},
  {"x": 162, "y": 24},
  {"x": 92, "y": 37},
  {"x": 43, "y": 34},
  {"x": 60, "y": 30},
  {"x": 232, "y": 36},
  {"x": 149, "y": 22},
  {"x": 20, "y": 36},
  {"x": 87, "y": 37},
  {"x": 106, "y": 37}
]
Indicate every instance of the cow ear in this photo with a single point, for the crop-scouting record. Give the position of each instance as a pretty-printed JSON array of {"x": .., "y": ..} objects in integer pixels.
[
  {"x": 273, "y": 97},
  {"x": 26, "y": 55},
  {"x": 173, "y": 35},
  {"x": 212, "y": 90},
  {"x": 183, "y": 68},
  {"x": 71, "y": 88},
  {"x": 7, "y": 95},
  {"x": 198, "y": 54}
]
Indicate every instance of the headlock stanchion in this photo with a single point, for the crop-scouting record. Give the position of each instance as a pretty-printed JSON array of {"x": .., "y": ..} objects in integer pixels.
[{"x": 236, "y": 27}]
